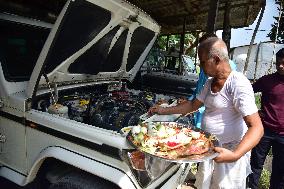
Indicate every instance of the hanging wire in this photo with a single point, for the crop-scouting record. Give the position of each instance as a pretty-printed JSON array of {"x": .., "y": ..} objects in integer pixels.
[{"x": 276, "y": 36}]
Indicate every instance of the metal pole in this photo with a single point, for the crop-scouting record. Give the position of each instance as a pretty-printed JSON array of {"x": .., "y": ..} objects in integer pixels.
[
  {"x": 195, "y": 57},
  {"x": 253, "y": 37},
  {"x": 256, "y": 61},
  {"x": 167, "y": 45}
]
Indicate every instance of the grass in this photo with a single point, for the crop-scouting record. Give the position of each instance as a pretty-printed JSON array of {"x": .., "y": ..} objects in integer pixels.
[
  {"x": 257, "y": 97},
  {"x": 194, "y": 168},
  {"x": 265, "y": 174},
  {"x": 264, "y": 179}
]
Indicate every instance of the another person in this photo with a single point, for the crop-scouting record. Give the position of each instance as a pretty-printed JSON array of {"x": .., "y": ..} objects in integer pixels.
[
  {"x": 230, "y": 114},
  {"x": 272, "y": 114}
]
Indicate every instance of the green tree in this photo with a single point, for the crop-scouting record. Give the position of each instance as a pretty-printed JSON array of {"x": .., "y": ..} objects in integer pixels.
[
  {"x": 174, "y": 42},
  {"x": 272, "y": 33}
]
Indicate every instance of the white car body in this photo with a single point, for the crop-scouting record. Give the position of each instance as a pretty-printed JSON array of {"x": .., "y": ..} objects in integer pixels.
[{"x": 29, "y": 136}]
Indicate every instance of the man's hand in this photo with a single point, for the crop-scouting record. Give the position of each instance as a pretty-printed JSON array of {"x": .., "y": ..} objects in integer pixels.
[
  {"x": 181, "y": 108},
  {"x": 225, "y": 155},
  {"x": 156, "y": 109}
]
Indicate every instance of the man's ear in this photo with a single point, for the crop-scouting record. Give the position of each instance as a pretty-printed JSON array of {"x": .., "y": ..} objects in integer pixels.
[{"x": 217, "y": 59}]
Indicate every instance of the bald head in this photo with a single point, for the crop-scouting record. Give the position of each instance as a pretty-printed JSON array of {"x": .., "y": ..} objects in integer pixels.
[
  {"x": 213, "y": 57},
  {"x": 213, "y": 46}
]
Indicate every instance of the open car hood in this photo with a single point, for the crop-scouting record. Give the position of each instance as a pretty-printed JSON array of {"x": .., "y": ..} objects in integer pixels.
[{"x": 94, "y": 40}]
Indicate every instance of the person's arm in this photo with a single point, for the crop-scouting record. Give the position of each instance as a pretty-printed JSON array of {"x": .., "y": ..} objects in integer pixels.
[
  {"x": 258, "y": 85},
  {"x": 251, "y": 139},
  {"x": 182, "y": 108},
  {"x": 185, "y": 107}
]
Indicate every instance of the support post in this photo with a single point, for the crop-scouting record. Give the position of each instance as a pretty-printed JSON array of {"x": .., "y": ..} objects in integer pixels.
[
  {"x": 167, "y": 45},
  {"x": 181, "y": 47},
  {"x": 253, "y": 37},
  {"x": 226, "y": 35},
  {"x": 212, "y": 16}
]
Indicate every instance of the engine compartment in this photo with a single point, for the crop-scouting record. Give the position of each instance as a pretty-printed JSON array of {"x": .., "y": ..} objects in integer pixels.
[{"x": 109, "y": 106}]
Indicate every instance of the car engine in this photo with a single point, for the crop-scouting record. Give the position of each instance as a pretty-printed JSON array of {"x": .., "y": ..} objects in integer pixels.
[{"x": 110, "y": 107}]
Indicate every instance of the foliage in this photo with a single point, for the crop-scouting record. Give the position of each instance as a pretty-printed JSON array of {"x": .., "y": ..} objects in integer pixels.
[
  {"x": 270, "y": 152},
  {"x": 174, "y": 42},
  {"x": 257, "y": 97},
  {"x": 265, "y": 174},
  {"x": 193, "y": 168},
  {"x": 272, "y": 33},
  {"x": 264, "y": 179},
  {"x": 156, "y": 57}
]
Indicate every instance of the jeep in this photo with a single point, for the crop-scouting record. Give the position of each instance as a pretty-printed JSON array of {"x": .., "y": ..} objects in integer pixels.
[{"x": 64, "y": 98}]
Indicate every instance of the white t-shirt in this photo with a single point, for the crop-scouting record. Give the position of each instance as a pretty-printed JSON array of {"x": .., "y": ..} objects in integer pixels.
[{"x": 224, "y": 110}]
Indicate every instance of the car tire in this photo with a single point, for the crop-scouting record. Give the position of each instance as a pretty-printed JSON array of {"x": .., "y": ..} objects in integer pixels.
[{"x": 81, "y": 180}]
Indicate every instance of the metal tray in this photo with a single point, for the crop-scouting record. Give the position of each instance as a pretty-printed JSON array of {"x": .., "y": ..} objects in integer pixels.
[{"x": 185, "y": 159}]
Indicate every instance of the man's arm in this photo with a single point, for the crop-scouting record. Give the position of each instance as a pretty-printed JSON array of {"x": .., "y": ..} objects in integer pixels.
[
  {"x": 258, "y": 85},
  {"x": 182, "y": 108},
  {"x": 251, "y": 139}
]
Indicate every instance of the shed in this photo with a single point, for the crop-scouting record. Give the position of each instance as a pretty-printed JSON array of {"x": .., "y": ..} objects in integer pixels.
[{"x": 172, "y": 15}]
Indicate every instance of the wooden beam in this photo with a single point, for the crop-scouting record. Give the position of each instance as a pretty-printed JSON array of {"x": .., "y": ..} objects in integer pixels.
[
  {"x": 212, "y": 16},
  {"x": 167, "y": 46},
  {"x": 192, "y": 15},
  {"x": 182, "y": 37},
  {"x": 226, "y": 35}
]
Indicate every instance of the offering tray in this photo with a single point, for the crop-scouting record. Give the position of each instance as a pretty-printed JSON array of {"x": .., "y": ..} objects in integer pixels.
[{"x": 184, "y": 152}]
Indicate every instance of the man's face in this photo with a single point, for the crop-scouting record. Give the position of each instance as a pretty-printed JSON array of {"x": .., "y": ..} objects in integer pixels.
[
  {"x": 208, "y": 65},
  {"x": 280, "y": 65}
]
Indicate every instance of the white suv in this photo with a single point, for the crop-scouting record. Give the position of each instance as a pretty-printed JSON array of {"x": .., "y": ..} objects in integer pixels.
[{"x": 63, "y": 98}]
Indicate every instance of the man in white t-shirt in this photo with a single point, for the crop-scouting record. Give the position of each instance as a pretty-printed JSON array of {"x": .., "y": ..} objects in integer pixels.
[{"x": 230, "y": 114}]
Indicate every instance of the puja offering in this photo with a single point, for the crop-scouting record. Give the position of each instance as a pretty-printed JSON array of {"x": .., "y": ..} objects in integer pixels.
[{"x": 173, "y": 141}]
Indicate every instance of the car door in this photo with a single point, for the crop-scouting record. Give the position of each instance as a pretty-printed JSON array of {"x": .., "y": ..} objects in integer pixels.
[{"x": 21, "y": 41}]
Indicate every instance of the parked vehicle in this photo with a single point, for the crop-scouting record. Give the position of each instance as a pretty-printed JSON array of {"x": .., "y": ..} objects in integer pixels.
[
  {"x": 64, "y": 99},
  {"x": 168, "y": 72},
  {"x": 261, "y": 61}
]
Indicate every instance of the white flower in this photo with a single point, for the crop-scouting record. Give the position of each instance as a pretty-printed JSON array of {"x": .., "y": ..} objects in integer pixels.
[
  {"x": 136, "y": 129},
  {"x": 195, "y": 135},
  {"x": 144, "y": 130}
]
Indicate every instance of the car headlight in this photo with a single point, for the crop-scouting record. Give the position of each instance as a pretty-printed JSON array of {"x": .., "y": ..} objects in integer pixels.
[{"x": 146, "y": 168}]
